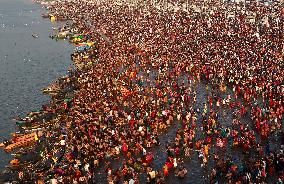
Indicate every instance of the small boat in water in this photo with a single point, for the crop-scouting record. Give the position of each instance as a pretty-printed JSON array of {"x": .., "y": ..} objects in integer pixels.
[
  {"x": 22, "y": 141},
  {"x": 52, "y": 89},
  {"x": 35, "y": 35},
  {"x": 45, "y": 15},
  {"x": 23, "y": 123}
]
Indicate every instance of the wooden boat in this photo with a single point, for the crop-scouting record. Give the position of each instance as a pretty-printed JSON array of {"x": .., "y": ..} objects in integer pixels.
[
  {"x": 23, "y": 141},
  {"x": 24, "y": 137},
  {"x": 33, "y": 129},
  {"x": 63, "y": 34},
  {"x": 15, "y": 165},
  {"x": 45, "y": 15},
  {"x": 50, "y": 90},
  {"x": 17, "y": 134},
  {"x": 21, "y": 123},
  {"x": 16, "y": 145},
  {"x": 27, "y": 130},
  {"x": 34, "y": 113}
]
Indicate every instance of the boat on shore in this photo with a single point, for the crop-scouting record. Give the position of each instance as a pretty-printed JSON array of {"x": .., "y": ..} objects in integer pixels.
[
  {"x": 52, "y": 89},
  {"x": 21, "y": 141}
]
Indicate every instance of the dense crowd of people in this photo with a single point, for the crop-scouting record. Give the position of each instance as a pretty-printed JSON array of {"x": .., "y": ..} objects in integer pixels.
[{"x": 217, "y": 82}]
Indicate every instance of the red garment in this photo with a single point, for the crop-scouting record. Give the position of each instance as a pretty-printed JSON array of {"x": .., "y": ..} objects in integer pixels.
[
  {"x": 124, "y": 147},
  {"x": 177, "y": 151},
  {"x": 166, "y": 171},
  {"x": 271, "y": 170},
  {"x": 124, "y": 171},
  {"x": 149, "y": 158},
  {"x": 208, "y": 139},
  {"x": 77, "y": 174},
  {"x": 257, "y": 125},
  {"x": 153, "y": 114},
  {"x": 232, "y": 105},
  {"x": 64, "y": 105},
  {"x": 169, "y": 165},
  {"x": 271, "y": 102},
  {"x": 132, "y": 122}
]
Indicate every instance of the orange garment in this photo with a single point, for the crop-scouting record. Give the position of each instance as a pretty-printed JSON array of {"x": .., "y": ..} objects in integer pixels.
[
  {"x": 166, "y": 170},
  {"x": 125, "y": 92},
  {"x": 206, "y": 150}
]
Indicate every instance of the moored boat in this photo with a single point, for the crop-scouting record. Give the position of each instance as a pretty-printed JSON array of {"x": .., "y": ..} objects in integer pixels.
[
  {"x": 22, "y": 141},
  {"x": 50, "y": 89},
  {"x": 45, "y": 15}
]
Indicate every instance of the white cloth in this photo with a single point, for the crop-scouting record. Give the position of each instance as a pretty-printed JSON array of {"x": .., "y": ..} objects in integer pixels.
[
  {"x": 53, "y": 181},
  {"x": 131, "y": 181},
  {"x": 62, "y": 142}
]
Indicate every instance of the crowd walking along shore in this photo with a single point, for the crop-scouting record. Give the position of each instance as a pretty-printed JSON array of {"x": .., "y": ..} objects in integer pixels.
[{"x": 160, "y": 93}]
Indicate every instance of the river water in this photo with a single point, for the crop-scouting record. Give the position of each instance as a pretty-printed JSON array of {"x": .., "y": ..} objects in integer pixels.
[{"x": 27, "y": 64}]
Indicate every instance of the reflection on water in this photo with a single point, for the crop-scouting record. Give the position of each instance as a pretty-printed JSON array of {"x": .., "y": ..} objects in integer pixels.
[{"x": 27, "y": 64}]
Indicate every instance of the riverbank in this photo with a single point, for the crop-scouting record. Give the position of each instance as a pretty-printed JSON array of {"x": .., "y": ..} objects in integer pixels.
[
  {"x": 159, "y": 96},
  {"x": 27, "y": 64}
]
